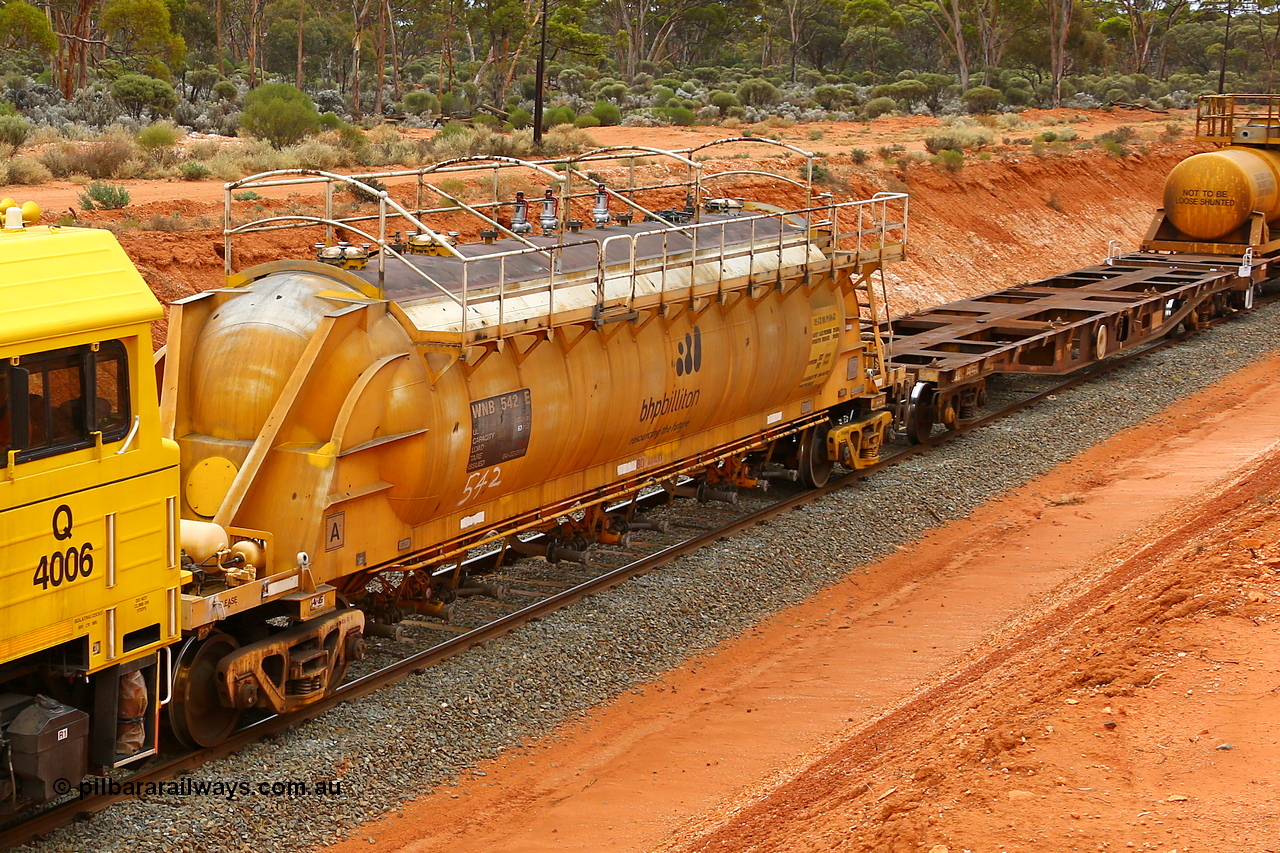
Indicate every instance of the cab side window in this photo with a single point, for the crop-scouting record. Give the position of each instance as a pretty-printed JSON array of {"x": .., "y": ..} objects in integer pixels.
[{"x": 54, "y": 402}]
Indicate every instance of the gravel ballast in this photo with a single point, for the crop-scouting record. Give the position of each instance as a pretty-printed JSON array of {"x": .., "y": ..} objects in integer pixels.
[{"x": 420, "y": 733}]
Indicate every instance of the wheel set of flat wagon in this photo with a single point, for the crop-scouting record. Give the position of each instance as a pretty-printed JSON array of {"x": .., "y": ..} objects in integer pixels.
[{"x": 321, "y": 443}]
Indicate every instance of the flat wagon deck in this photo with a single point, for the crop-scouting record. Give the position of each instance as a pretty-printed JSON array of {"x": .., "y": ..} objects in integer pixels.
[{"x": 1057, "y": 325}]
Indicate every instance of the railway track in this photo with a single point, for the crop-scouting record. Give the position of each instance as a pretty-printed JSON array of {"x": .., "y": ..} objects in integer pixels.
[{"x": 729, "y": 524}]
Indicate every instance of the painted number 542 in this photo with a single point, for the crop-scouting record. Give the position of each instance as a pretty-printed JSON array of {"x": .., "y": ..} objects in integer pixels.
[{"x": 479, "y": 481}]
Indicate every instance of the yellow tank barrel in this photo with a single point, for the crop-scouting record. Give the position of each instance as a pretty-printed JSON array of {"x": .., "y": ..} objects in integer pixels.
[{"x": 1207, "y": 196}]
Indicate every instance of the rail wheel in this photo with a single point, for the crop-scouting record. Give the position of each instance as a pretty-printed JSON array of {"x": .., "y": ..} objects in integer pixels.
[
  {"x": 196, "y": 715},
  {"x": 919, "y": 417},
  {"x": 814, "y": 464}
]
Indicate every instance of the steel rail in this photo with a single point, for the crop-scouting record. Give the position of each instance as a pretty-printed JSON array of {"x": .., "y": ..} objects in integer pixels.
[{"x": 79, "y": 809}]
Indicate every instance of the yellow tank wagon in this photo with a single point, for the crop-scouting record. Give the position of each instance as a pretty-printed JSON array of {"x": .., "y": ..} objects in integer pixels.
[
  {"x": 89, "y": 579},
  {"x": 1226, "y": 201},
  {"x": 380, "y": 422}
]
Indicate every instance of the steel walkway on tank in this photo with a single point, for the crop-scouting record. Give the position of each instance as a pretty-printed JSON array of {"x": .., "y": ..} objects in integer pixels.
[
  {"x": 580, "y": 254},
  {"x": 1058, "y": 324}
]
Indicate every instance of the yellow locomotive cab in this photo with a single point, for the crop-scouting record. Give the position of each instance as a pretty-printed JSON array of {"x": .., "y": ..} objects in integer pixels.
[{"x": 89, "y": 581}]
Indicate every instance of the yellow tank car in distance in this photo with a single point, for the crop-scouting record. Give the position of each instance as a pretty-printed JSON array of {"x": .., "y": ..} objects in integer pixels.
[
  {"x": 1207, "y": 196},
  {"x": 89, "y": 578}
]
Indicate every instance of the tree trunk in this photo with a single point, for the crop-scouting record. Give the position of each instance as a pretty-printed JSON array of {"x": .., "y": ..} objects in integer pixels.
[
  {"x": 217, "y": 29},
  {"x": 382, "y": 58},
  {"x": 1059, "y": 30},
  {"x": 302, "y": 7}
]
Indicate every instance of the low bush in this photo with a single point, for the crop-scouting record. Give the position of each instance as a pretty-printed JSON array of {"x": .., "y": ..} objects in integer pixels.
[
  {"x": 279, "y": 113},
  {"x": 1122, "y": 134},
  {"x": 158, "y": 135},
  {"x": 567, "y": 140},
  {"x": 557, "y": 115},
  {"x": 519, "y": 118},
  {"x": 606, "y": 113},
  {"x": 1114, "y": 148},
  {"x": 757, "y": 92},
  {"x": 364, "y": 195},
  {"x": 818, "y": 173},
  {"x": 26, "y": 171},
  {"x": 103, "y": 196},
  {"x": 167, "y": 222},
  {"x": 877, "y": 107},
  {"x": 138, "y": 93},
  {"x": 981, "y": 99},
  {"x": 957, "y": 139},
  {"x": 950, "y": 159},
  {"x": 681, "y": 116},
  {"x": 723, "y": 101},
  {"x": 314, "y": 154},
  {"x": 421, "y": 103},
  {"x": 13, "y": 130}
]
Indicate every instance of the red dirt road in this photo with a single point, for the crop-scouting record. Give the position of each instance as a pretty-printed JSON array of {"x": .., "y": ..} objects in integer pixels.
[{"x": 774, "y": 742}]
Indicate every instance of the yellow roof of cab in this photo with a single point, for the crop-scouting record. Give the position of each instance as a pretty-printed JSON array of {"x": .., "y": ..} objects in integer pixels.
[{"x": 64, "y": 281}]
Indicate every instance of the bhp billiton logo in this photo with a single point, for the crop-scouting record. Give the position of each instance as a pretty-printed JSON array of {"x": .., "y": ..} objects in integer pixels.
[{"x": 689, "y": 353}]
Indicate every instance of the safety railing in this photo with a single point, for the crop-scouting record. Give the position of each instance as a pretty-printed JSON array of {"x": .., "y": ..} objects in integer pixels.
[
  {"x": 1220, "y": 117},
  {"x": 662, "y": 262},
  {"x": 659, "y": 256}
]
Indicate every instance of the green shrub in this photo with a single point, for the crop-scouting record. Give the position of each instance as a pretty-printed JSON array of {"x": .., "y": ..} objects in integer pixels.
[
  {"x": 158, "y": 135},
  {"x": 606, "y": 113},
  {"x": 831, "y": 97},
  {"x": 245, "y": 195},
  {"x": 279, "y": 113},
  {"x": 586, "y": 121},
  {"x": 138, "y": 93},
  {"x": 903, "y": 92},
  {"x": 681, "y": 115},
  {"x": 14, "y": 130},
  {"x": 614, "y": 92},
  {"x": 724, "y": 101},
  {"x": 193, "y": 171},
  {"x": 981, "y": 99},
  {"x": 877, "y": 107},
  {"x": 105, "y": 196},
  {"x": 950, "y": 158},
  {"x": 817, "y": 172},
  {"x": 421, "y": 103},
  {"x": 331, "y": 121},
  {"x": 557, "y": 115},
  {"x": 1114, "y": 148},
  {"x": 757, "y": 92},
  {"x": 858, "y": 156},
  {"x": 519, "y": 118},
  {"x": 225, "y": 90}
]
